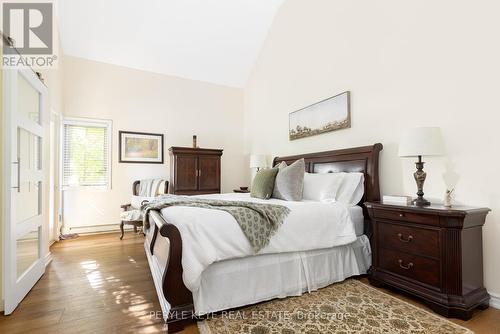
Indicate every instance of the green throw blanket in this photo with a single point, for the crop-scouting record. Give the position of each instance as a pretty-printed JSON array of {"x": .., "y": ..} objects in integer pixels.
[{"x": 258, "y": 221}]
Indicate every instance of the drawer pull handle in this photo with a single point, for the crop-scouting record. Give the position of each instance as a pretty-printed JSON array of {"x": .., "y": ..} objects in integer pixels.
[
  {"x": 410, "y": 238},
  {"x": 407, "y": 267},
  {"x": 401, "y": 215}
]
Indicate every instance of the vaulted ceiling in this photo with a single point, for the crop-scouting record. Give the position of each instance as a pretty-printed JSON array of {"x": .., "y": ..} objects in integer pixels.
[{"x": 216, "y": 41}]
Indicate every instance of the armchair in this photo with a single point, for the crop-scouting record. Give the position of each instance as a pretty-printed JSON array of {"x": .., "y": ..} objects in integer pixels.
[{"x": 130, "y": 207}]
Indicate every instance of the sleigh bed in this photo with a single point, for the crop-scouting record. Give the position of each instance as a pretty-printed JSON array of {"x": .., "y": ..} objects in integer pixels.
[{"x": 247, "y": 280}]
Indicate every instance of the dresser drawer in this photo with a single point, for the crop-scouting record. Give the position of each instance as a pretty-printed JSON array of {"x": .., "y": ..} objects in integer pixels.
[
  {"x": 419, "y": 268},
  {"x": 405, "y": 216},
  {"x": 413, "y": 240}
]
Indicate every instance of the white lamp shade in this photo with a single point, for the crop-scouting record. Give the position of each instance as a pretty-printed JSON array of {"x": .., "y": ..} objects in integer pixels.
[
  {"x": 421, "y": 141},
  {"x": 258, "y": 161}
]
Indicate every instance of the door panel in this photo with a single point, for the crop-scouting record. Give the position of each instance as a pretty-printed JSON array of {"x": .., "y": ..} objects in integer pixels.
[
  {"x": 209, "y": 173},
  {"x": 27, "y": 251},
  {"x": 186, "y": 172},
  {"x": 28, "y": 195},
  {"x": 26, "y": 125}
]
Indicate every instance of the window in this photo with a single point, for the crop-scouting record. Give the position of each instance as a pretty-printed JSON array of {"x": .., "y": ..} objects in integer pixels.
[{"x": 86, "y": 153}]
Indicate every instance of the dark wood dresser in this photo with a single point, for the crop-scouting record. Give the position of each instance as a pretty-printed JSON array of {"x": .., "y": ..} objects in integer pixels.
[
  {"x": 432, "y": 252},
  {"x": 194, "y": 171}
]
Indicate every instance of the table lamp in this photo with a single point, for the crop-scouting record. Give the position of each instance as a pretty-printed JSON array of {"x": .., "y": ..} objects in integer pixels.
[
  {"x": 418, "y": 142},
  {"x": 258, "y": 161}
]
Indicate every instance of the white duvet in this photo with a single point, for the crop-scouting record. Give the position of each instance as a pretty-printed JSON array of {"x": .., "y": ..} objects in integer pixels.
[{"x": 210, "y": 236}]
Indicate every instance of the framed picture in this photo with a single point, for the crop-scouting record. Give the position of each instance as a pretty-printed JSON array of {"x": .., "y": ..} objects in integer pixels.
[
  {"x": 333, "y": 113},
  {"x": 140, "y": 147}
]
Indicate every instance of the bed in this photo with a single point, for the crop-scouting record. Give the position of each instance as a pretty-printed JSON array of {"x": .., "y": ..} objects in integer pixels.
[{"x": 220, "y": 282}]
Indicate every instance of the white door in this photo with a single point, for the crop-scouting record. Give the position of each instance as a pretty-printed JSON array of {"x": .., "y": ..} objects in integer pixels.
[{"x": 26, "y": 124}]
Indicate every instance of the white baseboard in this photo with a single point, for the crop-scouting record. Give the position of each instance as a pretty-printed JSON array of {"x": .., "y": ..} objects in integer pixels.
[
  {"x": 47, "y": 259},
  {"x": 494, "y": 300}
]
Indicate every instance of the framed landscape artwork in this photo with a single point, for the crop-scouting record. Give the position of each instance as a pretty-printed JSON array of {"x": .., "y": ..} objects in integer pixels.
[
  {"x": 140, "y": 147},
  {"x": 331, "y": 114}
]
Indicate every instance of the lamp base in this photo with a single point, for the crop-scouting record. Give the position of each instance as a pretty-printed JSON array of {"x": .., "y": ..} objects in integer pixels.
[
  {"x": 420, "y": 201},
  {"x": 420, "y": 176}
]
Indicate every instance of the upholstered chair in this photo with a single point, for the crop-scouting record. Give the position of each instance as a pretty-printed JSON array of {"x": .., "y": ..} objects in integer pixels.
[{"x": 141, "y": 193}]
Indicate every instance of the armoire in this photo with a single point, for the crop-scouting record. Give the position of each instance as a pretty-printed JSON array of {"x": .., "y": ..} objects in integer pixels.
[{"x": 194, "y": 171}]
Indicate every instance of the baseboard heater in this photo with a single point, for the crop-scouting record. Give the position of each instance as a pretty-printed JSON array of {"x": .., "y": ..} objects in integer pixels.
[{"x": 102, "y": 228}]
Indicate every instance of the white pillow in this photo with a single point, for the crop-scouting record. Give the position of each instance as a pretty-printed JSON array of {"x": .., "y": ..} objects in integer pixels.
[
  {"x": 352, "y": 188},
  {"x": 322, "y": 187}
]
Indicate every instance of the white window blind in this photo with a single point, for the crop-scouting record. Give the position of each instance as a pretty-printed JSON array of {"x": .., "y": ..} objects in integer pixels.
[{"x": 86, "y": 153}]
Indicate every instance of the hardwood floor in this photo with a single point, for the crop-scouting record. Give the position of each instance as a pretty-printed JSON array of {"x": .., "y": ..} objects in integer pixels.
[
  {"x": 95, "y": 284},
  {"x": 99, "y": 284}
]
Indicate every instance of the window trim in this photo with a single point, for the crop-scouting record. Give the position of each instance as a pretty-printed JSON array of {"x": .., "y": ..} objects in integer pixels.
[{"x": 81, "y": 121}]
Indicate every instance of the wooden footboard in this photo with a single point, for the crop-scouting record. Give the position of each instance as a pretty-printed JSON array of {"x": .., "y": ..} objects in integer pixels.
[{"x": 172, "y": 287}]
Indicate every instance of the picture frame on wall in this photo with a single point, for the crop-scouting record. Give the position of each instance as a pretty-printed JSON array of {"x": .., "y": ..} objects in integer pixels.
[
  {"x": 140, "y": 147},
  {"x": 331, "y": 114}
]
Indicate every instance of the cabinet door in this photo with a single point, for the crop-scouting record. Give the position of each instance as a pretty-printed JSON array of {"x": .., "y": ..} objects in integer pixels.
[
  {"x": 209, "y": 173},
  {"x": 186, "y": 173}
]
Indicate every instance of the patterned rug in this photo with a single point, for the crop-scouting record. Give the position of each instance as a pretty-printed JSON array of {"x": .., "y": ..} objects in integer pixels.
[{"x": 341, "y": 308}]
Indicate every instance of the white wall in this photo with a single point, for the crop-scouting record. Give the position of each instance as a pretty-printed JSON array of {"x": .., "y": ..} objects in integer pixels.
[
  {"x": 406, "y": 63},
  {"x": 142, "y": 101}
]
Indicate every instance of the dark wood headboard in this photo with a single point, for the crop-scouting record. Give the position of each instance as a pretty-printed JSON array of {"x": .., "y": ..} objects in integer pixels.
[{"x": 358, "y": 159}]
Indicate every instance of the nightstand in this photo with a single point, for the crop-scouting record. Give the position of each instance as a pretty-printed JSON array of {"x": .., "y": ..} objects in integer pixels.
[
  {"x": 241, "y": 191},
  {"x": 434, "y": 253}
]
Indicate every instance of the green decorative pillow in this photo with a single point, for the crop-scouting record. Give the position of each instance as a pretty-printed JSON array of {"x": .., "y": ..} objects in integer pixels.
[{"x": 263, "y": 183}]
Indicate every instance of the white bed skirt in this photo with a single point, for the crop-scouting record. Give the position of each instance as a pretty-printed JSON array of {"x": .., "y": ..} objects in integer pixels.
[{"x": 234, "y": 283}]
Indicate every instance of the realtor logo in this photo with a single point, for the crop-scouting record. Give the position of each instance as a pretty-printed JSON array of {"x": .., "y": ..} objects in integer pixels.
[
  {"x": 30, "y": 26},
  {"x": 29, "y": 29}
]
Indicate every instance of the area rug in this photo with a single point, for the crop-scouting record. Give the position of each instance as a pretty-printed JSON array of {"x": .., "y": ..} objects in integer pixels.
[{"x": 341, "y": 308}]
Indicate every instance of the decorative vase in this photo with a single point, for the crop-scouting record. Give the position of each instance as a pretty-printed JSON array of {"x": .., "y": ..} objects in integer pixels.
[
  {"x": 448, "y": 198},
  {"x": 195, "y": 142}
]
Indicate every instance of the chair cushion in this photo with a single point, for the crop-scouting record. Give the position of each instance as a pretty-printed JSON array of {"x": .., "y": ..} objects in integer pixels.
[
  {"x": 136, "y": 201},
  {"x": 151, "y": 187},
  {"x": 132, "y": 215}
]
